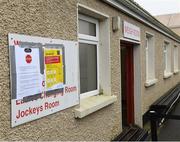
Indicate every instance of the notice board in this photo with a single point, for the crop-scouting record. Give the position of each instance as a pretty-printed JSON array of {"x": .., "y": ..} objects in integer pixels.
[{"x": 44, "y": 76}]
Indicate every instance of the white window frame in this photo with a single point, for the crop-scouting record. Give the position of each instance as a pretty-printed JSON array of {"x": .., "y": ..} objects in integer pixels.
[
  {"x": 146, "y": 48},
  {"x": 176, "y": 58},
  {"x": 93, "y": 40},
  {"x": 89, "y": 37},
  {"x": 150, "y": 77},
  {"x": 167, "y": 59}
]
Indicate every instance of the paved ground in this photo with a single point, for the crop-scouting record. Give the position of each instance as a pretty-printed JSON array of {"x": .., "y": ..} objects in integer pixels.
[{"x": 170, "y": 131}]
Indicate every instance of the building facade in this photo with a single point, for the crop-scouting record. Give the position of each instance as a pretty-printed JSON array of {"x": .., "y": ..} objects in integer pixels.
[
  {"x": 171, "y": 21},
  {"x": 126, "y": 61}
]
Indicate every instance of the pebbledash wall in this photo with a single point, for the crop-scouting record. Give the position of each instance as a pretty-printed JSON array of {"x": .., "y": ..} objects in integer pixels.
[{"x": 58, "y": 19}]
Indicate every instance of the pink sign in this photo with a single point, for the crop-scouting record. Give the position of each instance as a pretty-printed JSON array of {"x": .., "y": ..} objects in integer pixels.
[{"x": 131, "y": 31}]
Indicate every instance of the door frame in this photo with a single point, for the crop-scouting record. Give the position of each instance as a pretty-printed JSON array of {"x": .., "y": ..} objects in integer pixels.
[
  {"x": 138, "y": 110},
  {"x": 129, "y": 83}
]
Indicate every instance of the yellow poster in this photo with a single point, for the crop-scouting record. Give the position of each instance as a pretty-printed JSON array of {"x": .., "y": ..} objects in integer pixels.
[{"x": 54, "y": 68}]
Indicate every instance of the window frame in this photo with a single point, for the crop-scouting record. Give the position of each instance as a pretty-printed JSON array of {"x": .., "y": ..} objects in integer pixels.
[
  {"x": 150, "y": 76},
  {"x": 176, "y": 59},
  {"x": 89, "y": 37},
  {"x": 93, "y": 40},
  {"x": 167, "y": 56},
  {"x": 146, "y": 54}
]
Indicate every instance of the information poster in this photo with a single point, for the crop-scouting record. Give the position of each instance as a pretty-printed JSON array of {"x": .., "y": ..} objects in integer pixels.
[
  {"x": 44, "y": 76},
  {"x": 54, "y": 68},
  {"x": 29, "y": 78}
]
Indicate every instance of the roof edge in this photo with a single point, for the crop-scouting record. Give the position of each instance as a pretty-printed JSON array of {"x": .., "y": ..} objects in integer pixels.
[{"x": 131, "y": 8}]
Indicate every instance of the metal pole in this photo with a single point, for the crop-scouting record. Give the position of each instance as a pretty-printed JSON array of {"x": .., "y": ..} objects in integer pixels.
[{"x": 153, "y": 121}]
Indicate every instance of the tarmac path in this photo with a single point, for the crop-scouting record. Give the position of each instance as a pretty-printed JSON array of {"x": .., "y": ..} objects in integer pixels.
[{"x": 170, "y": 130}]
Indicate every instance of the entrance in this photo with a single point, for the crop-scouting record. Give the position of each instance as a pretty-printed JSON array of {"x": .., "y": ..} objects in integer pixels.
[{"x": 127, "y": 83}]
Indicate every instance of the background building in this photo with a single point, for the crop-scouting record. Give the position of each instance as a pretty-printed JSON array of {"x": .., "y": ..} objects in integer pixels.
[{"x": 171, "y": 20}]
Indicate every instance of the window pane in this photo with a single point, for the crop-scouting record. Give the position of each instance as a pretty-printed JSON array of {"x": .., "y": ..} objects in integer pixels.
[
  {"x": 175, "y": 58},
  {"x": 87, "y": 28},
  {"x": 150, "y": 57},
  {"x": 88, "y": 67},
  {"x": 168, "y": 58},
  {"x": 165, "y": 57}
]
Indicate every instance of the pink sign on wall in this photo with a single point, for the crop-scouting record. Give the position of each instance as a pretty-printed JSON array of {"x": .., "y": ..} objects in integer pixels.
[{"x": 131, "y": 31}]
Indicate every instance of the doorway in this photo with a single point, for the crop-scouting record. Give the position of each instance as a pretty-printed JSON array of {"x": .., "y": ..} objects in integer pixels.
[{"x": 127, "y": 83}]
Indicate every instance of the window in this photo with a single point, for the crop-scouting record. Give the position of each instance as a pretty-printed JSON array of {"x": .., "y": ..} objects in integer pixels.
[
  {"x": 88, "y": 56},
  {"x": 176, "y": 63},
  {"x": 150, "y": 60},
  {"x": 94, "y": 62},
  {"x": 88, "y": 67},
  {"x": 87, "y": 28},
  {"x": 167, "y": 60}
]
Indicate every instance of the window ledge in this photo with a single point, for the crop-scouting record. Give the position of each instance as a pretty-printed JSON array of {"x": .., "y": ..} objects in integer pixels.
[
  {"x": 92, "y": 104},
  {"x": 176, "y": 71},
  {"x": 168, "y": 75},
  {"x": 151, "y": 82}
]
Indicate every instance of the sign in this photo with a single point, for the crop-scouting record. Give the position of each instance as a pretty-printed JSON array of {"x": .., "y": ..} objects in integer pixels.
[
  {"x": 44, "y": 76},
  {"x": 28, "y": 59},
  {"x": 27, "y": 71},
  {"x": 131, "y": 31},
  {"x": 54, "y": 68}
]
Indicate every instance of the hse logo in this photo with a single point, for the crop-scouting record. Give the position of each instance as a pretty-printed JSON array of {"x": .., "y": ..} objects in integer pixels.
[{"x": 28, "y": 59}]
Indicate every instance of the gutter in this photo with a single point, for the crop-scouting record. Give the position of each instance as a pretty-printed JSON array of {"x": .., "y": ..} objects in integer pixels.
[{"x": 134, "y": 10}]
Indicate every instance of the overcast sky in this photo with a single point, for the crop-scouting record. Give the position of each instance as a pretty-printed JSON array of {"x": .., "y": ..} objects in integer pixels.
[{"x": 159, "y": 7}]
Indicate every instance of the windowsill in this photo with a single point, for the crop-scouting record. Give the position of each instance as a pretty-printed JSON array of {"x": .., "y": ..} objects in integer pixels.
[
  {"x": 151, "y": 82},
  {"x": 176, "y": 71},
  {"x": 168, "y": 75},
  {"x": 92, "y": 104}
]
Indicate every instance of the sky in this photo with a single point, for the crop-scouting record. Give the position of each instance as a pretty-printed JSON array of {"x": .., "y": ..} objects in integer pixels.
[{"x": 159, "y": 7}]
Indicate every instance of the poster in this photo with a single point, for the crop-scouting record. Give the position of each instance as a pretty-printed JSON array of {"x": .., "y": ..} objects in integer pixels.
[
  {"x": 54, "y": 68},
  {"x": 44, "y": 76},
  {"x": 29, "y": 78}
]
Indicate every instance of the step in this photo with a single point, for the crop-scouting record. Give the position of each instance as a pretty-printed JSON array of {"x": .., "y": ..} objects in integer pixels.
[{"x": 132, "y": 133}]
